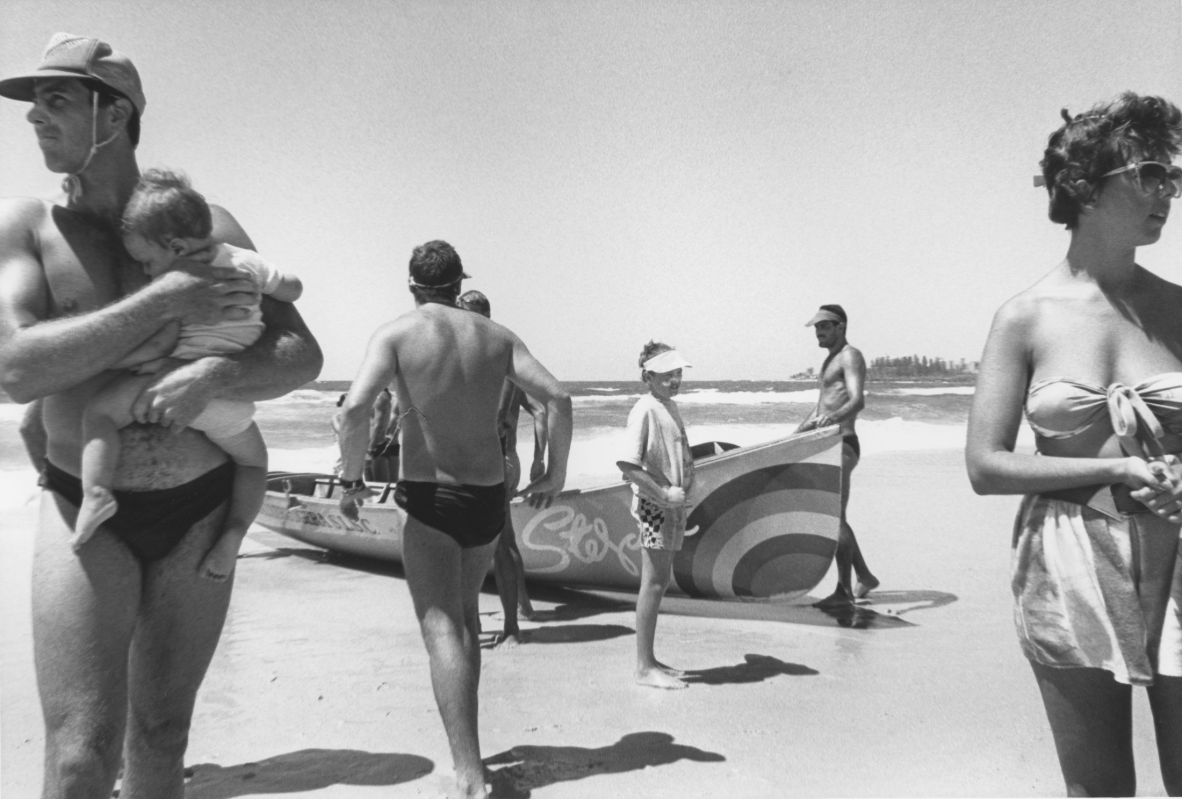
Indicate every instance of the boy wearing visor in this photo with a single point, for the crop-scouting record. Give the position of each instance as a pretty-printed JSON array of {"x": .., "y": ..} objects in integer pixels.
[{"x": 660, "y": 467}]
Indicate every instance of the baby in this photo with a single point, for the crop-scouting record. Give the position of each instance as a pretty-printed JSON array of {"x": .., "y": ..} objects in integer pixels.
[{"x": 166, "y": 221}]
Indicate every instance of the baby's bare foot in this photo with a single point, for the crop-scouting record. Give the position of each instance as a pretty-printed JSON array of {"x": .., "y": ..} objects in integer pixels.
[{"x": 98, "y": 505}]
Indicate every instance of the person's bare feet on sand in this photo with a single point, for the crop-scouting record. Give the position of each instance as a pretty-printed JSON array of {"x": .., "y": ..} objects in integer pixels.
[
  {"x": 98, "y": 505},
  {"x": 219, "y": 563},
  {"x": 509, "y": 640},
  {"x": 657, "y": 678},
  {"x": 454, "y": 788},
  {"x": 526, "y": 610},
  {"x": 838, "y": 599},
  {"x": 672, "y": 672},
  {"x": 864, "y": 587}
]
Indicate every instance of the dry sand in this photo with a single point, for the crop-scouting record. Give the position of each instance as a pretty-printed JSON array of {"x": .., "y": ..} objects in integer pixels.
[{"x": 320, "y": 685}]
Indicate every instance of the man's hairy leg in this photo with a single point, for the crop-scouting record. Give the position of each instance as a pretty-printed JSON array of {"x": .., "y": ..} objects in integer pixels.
[
  {"x": 444, "y": 582},
  {"x": 181, "y": 619},
  {"x": 84, "y": 615}
]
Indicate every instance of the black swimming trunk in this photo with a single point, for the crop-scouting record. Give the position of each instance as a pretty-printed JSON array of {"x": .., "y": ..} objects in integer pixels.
[
  {"x": 852, "y": 440},
  {"x": 471, "y": 515},
  {"x": 152, "y": 523}
]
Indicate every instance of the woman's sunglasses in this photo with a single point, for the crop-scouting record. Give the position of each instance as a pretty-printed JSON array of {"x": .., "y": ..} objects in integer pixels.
[{"x": 1155, "y": 177}]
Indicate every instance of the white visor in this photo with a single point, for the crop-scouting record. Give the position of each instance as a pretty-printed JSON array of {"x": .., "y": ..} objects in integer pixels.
[{"x": 667, "y": 361}]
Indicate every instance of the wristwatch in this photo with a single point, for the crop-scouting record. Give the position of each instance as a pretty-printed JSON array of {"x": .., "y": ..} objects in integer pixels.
[{"x": 353, "y": 485}]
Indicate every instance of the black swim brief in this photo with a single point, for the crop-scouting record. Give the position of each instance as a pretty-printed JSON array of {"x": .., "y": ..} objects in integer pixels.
[
  {"x": 471, "y": 515},
  {"x": 152, "y": 523},
  {"x": 852, "y": 440}
]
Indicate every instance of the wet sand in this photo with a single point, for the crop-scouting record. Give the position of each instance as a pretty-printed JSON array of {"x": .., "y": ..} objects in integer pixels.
[{"x": 320, "y": 685}]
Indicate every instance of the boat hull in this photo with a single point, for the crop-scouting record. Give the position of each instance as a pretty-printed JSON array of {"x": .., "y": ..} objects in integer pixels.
[{"x": 767, "y": 518}]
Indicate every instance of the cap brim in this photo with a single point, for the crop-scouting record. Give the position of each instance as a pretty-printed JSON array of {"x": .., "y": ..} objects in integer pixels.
[
  {"x": 667, "y": 361},
  {"x": 823, "y": 316},
  {"x": 20, "y": 87}
]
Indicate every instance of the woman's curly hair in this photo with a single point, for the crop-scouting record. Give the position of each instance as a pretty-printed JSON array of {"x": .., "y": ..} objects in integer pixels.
[{"x": 1105, "y": 138}]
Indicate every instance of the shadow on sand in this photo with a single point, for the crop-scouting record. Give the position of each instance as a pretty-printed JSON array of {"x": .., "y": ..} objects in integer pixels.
[
  {"x": 568, "y": 634},
  {"x": 305, "y": 770},
  {"x": 526, "y": 768},
  {"x": 756, "y": 668}
]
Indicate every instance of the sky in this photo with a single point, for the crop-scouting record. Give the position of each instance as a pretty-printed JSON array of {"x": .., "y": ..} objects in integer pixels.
[{"x": 612, "y": 171}]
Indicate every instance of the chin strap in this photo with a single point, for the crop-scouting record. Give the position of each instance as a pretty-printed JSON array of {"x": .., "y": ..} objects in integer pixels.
[{"x": 72, "y": 185}]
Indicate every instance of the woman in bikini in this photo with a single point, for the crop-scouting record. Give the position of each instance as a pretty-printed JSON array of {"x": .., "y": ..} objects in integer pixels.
[{"x": 1092, "y": 354}]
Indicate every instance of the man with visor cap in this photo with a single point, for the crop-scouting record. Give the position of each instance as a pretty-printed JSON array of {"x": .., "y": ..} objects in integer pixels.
[
  {"x": 123, "y": 631},
  {"x": 840, "y": 398}
]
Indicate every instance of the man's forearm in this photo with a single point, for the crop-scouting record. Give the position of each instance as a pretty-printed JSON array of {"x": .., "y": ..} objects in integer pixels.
[
  {"x": 559, "y": 429},
  {"x": 354, "y": 441},
  {"x": 284, "y": 358},
  {"x": 57, "y": 354},
  {"x": 847, "y": 410}
]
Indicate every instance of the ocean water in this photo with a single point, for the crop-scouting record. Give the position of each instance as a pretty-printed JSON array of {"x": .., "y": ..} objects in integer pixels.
[{"x": 898, "y": 416}]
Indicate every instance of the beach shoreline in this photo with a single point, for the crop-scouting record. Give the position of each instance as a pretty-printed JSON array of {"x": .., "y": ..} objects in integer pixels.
[{"x": 320, "y": 687}]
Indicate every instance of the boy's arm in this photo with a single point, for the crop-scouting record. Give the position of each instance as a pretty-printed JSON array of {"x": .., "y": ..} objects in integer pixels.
[
  {"x": 285, "y": 357},
  {"x": 650, "y": 488}
]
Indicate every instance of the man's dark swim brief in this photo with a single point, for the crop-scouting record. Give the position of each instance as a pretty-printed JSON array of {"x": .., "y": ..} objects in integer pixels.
[
  {"x": 852, "y": 441},
  {"x": 152, "y": 523},
  {"x": 472, "y": 516}
]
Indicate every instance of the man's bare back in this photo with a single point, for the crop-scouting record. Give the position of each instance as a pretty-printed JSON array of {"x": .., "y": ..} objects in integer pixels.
[{"x": 452, "y": 366}]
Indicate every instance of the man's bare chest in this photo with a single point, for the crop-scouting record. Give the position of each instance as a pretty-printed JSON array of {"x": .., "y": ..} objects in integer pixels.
[{"x": 84, "y": 262}]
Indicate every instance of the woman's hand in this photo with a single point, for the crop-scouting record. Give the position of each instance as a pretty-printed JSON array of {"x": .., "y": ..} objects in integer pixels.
[{"x": 1163, "y": 497}]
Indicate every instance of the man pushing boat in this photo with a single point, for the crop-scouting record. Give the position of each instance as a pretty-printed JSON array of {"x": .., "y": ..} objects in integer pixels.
[
  {"x": 448, "y": 368},
  {"x": 839, "y": 401}
]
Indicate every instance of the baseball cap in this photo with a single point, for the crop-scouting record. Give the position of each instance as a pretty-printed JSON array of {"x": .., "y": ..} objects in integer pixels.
[{"x": 70, "y": 56}]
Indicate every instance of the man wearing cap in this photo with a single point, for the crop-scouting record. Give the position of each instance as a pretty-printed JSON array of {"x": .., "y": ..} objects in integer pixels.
[
  {"x": 122, "y": 640},
  {"x": 448, "y": 368},
  {"x": 839, "y": 401}
]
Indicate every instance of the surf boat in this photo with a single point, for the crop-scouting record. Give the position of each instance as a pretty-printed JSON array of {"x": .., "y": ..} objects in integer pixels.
[{"x": 767, "y": 518}]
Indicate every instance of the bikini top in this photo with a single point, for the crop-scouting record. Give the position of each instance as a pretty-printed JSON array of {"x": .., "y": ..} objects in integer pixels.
[{"x": 1059, "y": 408}]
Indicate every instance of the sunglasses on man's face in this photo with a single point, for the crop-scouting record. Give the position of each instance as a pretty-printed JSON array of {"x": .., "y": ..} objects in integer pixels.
[{"x": 1154, "y": 177}]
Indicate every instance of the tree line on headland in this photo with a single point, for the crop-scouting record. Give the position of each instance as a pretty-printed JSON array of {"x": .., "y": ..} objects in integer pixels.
[{"x": 911, "y": 367}]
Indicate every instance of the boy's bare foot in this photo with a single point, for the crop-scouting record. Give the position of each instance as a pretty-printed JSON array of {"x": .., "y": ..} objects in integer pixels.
[
  {"x": 838, "y": 599},
  {"x": 98, "y": 505},
  {"x": 656, "y": 678},
  {"x": 219, "y": 563},
  {"x": 526, "y": 610},
  {"x": 864, "y": 587},
  {"x": 509, "y": 640}
]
